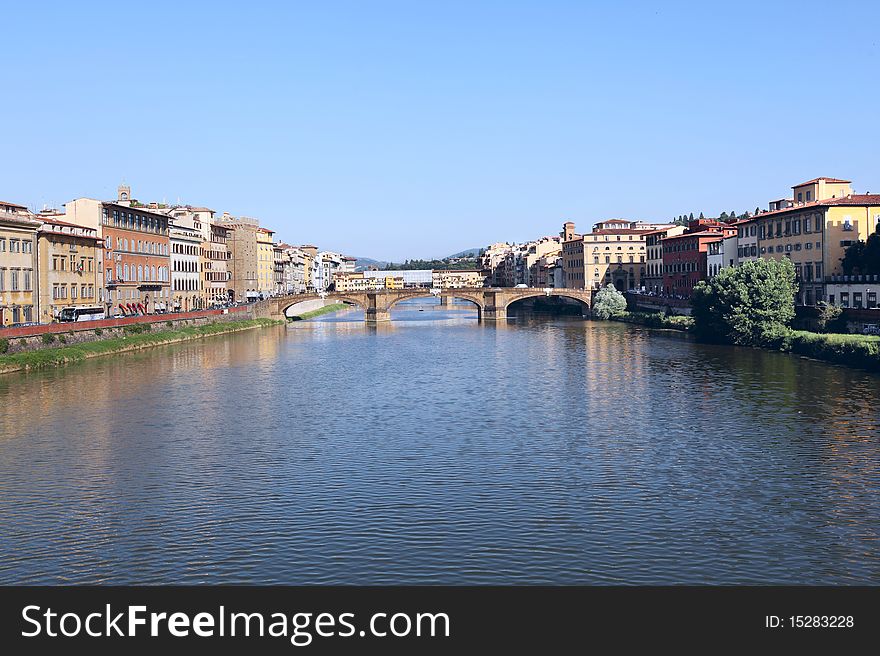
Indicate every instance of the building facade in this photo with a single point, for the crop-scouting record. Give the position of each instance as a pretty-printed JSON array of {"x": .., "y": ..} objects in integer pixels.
[
  {"x": 242, "y": 264},
  {"x": 653, "y": 281},
  {"x": 186, "y": 268},
  {"x": 685, "y": 256},
  {"x": 457, "y": 278},
  {"x": 815, "y": 230},
  {"x": 215, "y": 274},
  {"x": 136, "y": 271},
  {"x": 614, "y": 253},
  {"x": 19, "y": 297},
  {"x": 265, "y": 261},
  {"x": 70, "y": 259}
]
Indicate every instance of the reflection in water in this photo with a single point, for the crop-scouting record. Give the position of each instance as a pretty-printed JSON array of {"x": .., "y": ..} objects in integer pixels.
[{"x": 436, "y": 449}]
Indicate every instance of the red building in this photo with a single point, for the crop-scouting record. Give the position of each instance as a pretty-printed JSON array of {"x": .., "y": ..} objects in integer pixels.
[{"x": 684, "y": 255}]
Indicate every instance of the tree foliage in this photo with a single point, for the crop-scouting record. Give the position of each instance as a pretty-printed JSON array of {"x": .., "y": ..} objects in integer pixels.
[
  {"x": 863, "y": 257},
  {"x": 830, "y": 318},
  {"x": 748, "y": 304},
  {"x": 445, "y": 264},
  {"x": 608, "y": 302}
]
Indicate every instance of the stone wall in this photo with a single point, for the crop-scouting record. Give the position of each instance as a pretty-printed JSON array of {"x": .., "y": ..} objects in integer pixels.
[{"x": 54, "y": 335}]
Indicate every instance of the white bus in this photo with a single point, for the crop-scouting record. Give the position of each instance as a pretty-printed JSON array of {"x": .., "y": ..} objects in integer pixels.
[{"x": 82, "y": 313}]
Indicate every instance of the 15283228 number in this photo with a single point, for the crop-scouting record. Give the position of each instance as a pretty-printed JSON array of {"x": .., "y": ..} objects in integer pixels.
[{"x": 821, "y": 621}]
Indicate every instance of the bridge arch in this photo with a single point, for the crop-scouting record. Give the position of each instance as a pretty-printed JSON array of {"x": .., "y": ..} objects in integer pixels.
[
  {"x": 405, "y": 296},
  {"x": 582, "y": 297},
  {"x": 288, "y": 302}
]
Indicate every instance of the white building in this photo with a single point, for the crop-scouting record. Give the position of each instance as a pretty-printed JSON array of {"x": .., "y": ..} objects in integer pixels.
[
  {"x": 186, "y": 274},
  {"x": 411, "y": 278}
]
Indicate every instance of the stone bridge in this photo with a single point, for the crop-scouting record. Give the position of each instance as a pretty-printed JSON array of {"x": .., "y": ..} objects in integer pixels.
[{"x": 491, "y": 302}]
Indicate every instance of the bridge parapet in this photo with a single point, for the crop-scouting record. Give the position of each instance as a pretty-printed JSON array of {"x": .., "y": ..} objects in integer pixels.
[{"x": 492, "y": 302}]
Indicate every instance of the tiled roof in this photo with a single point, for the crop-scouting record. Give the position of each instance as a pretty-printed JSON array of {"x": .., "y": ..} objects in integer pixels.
[
  {"x": 8, "y": 204},
  {"x": 815, "y": 180},
  {"x": 857, "y": 200},
  {"x": 702, "y": 233},
  {"x": 64, "y": 223}
]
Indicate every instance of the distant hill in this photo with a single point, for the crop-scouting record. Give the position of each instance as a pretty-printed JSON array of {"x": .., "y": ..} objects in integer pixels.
[
  {"x": 366, "y": 262},
  {"x": 471, "y": 252},
  {"x": 363, "y": 263}
]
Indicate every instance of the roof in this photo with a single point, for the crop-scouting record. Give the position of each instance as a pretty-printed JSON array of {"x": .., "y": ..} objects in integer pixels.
[
  {"x": 701, "y": 234},
  {"x": 8, "y": 204},
  {"x": 815, "y": 180},
  {"x": 856, "y": 200},
  {"x": 622, "y": 231},
  {"x": 65, "y": 223}
]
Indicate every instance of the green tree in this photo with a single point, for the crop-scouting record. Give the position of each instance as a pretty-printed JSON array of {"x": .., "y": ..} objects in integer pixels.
[
  {"x": 608, "y": 303},
  {"x": 691, "y": 217},
  {"x": 701, "y": 216},
  {"x": 723, "y": 216},
  {"x": 863, "y": 257},
  {"x": 830, "y": 318},
  {"x": 748, "y": 304}
]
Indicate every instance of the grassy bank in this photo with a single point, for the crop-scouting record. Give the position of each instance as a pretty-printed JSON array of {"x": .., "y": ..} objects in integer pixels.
[
  {"x": 859, "y": 351},
  {"x": 656, "y": 320},
  {"x": 138, "y": 336},
  {"x": 327, "y": 309}
]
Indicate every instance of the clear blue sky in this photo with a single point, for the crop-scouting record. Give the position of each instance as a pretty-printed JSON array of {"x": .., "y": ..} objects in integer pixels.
[{"x": 417, "y": 129}]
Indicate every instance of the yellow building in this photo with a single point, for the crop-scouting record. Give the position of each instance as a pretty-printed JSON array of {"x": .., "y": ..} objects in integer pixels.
[
  {"x": 825, "y": 218},
  {"x": 265, "y": 261},
  {"x": 458, "y": 279},
  {"x": 614, "y": 252},
  {"x": 19, "y": 302},
  {"x": 69, "y": 258},
  {"x": 393, "y": 282}
]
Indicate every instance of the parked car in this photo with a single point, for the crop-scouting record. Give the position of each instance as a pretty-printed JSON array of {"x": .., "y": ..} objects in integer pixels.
[{"x": 871, "y": 329}]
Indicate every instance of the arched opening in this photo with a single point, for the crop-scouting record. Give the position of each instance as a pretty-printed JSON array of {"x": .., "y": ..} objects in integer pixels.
[
  {"x": 304, "y": 307},
  {"x": 545, "y": 305},
  {"x": 430, "y": 306}
]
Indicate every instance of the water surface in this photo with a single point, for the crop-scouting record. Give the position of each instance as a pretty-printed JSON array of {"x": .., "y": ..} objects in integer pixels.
[{"x": 439, "y": 450}]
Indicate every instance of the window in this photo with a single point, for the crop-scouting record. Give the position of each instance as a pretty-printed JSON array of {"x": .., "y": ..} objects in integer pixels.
[
  {"x": 809, "y": 196},
  {"x": 800, "y": 197},
  {"x": 847, "y": 223},
  {"x": 2, "y": 245},
  {"x": 14, "y": 279},
  {"x": 27, "y": 280},
  {"x": 857, "y": 299}
]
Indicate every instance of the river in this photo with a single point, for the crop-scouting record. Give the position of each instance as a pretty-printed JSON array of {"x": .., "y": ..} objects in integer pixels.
[{"x": 438, "y": 450}]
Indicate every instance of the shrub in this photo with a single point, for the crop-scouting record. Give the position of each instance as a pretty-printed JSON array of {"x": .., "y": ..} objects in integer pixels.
[
  {"x": 169, "y": 324},
  {"x": 750, "y": 304},
  {"x": 98, "y": 332},
  {"x": 608, "y": 303},
  {"x": 830, "y": 318},
  {"x": 48, "y": 338},
  {"x": 4, "y": 345}
]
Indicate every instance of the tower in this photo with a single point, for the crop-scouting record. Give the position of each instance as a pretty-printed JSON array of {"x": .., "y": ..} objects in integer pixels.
[
  {"x": 123, "y": 194},
  {"x": 567, "y": 233}
]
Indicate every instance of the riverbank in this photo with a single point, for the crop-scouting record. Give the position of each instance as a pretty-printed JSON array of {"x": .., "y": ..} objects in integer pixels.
[
  {"x": 327, "y": 309},
  {"x": 858, "y": 351},
  {"x": 656, "y": 320},
  {"x": 137, "y": 337}
]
